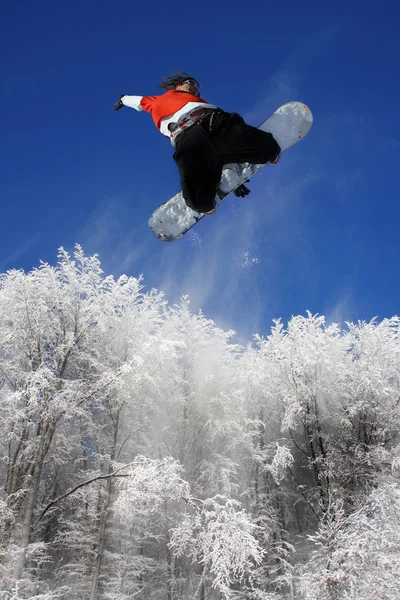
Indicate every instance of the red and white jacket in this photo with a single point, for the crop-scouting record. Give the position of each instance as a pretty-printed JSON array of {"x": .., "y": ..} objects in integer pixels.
[{"x": 167, "y": 108}]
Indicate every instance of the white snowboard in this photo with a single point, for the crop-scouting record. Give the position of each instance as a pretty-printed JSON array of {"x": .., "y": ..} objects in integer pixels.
[{"x": 289, "y": 124}]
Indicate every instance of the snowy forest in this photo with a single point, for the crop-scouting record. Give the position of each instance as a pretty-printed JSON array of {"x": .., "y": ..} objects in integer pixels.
[{"x": 145, "y": 455}]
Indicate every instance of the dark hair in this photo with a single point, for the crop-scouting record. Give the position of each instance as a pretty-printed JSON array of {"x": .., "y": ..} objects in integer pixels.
[{"x": 170, "y": 83}]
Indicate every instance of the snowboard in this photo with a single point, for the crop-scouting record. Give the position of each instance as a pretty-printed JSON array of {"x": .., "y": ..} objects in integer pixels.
[{"x": 288, "y": 124}]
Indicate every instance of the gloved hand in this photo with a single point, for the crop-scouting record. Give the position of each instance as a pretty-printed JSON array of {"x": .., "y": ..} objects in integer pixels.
[
  {"x": 242, "y": 190},
  {"x": 119, "y": 104}
]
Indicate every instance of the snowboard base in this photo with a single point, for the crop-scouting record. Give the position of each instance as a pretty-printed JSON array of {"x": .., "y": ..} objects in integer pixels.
[{"x": 288, "y": 124}]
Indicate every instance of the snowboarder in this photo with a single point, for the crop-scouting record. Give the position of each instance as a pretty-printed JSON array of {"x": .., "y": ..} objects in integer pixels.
[{"x": 204, "y": 136}]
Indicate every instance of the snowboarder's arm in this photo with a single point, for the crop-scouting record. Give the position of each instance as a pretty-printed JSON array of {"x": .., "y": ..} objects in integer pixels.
[{"x": 132, "y": 101}]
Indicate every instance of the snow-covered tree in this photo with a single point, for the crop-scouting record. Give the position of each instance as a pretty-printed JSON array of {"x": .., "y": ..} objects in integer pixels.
[
  {"x": 358, "y": 556},
  {"x": 73, "y": 342},
  {"x": 145, "y": 455},
  {"x": 220, "y": 536}
]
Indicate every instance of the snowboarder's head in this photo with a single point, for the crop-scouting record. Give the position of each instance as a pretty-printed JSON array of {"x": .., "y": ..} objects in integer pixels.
[
  {"x": 189, "y": 85},
  {"x": 181, "y": 81}
]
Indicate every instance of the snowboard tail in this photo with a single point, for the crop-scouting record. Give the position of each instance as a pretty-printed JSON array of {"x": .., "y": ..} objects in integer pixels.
[{"x": 288, "y": 125}]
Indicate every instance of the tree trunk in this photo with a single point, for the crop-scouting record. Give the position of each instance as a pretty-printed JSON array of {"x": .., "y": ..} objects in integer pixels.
[
  {"x": 101, "y": 541},
  {"x": 44, "y": 445},
  {"x": 104, "y": 519}
]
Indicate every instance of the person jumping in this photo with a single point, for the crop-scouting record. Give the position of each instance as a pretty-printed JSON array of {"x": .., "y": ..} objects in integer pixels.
[{"x": 205, "y": 138}]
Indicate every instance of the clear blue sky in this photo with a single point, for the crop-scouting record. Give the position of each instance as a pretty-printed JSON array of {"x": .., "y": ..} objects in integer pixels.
[{"x": 320, "y": 230}]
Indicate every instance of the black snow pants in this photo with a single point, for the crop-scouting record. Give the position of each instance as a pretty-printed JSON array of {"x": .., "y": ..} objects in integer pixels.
[{"x": 218, "y": 139}]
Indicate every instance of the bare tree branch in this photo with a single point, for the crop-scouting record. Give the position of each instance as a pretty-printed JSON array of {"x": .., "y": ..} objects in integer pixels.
[{"x": 77, "y": 487}]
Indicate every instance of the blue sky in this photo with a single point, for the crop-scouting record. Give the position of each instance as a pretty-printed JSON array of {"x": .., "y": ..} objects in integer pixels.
[{"x": 319, "y": 230}]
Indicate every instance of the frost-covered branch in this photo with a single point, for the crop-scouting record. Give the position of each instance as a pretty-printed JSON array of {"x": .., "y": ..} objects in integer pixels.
[{"x": 78, "y": 487}]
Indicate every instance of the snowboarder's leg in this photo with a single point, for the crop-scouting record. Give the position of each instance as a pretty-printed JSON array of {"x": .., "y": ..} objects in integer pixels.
[
  {"x": 199, "y": 167},
  {"x": 238, "y": 142}
]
